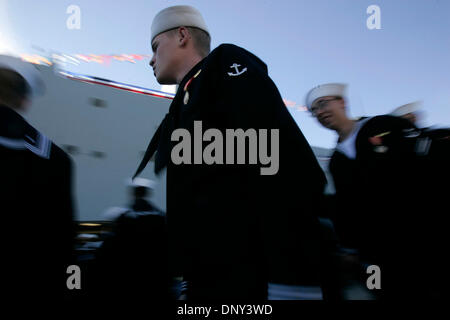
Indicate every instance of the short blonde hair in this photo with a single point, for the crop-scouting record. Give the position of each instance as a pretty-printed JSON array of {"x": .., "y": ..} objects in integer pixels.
[{"x": 202, "y": 40}]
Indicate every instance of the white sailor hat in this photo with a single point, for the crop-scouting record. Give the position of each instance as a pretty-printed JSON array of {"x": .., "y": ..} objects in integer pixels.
[
  {"x": 177, "y": 16},
  {"x": 27, "y": 70},
  {"x": 325, "y": 90},
  {"x": 412, "y": 107},
  {"x": 141, "y": 182}
]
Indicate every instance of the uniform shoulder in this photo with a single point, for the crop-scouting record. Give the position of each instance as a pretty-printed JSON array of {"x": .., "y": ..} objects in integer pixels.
[
  {"x": 228, "y": 53},
  {"x": 42, "y": 146},
  {"x": 60, "y": 154},
  {"x": 229, "y": 48},
  {"x": 386, "y": 122},
  {"x": 389, "y": 119},
  {"x": 385, "y": 135}
]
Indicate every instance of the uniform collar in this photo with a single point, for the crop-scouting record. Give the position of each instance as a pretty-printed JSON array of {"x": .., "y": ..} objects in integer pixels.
[
  {"x": 190, "y": 74},
  {"x": 180, "y": 92}
]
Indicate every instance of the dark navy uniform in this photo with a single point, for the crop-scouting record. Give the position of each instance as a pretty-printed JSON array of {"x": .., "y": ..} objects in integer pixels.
[
  {"x": 382, "y": 205},
  {"x": 131, "y": 265},
  {"x": 433, "y": 148},
  {"x": 231, "y": 228},
  {"x": 37, "y": 211}
]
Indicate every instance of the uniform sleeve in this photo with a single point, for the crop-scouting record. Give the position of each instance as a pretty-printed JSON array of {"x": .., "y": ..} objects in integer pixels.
[
  {"x": 247, "y": 98},
  {"x": 62, "y": 206},
  {"x": 240, "y": 90},
  {"x": 386, "y": 138}
]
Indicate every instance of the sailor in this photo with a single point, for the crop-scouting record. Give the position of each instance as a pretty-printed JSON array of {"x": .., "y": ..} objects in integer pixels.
[
  {"x": 409, "y": 111},
  {"x": 36, "y": 193},
  {"x": 140, "y": 190},
  {"x": 231, "y": 228},
  {"x": 134, "y": 254},
  {"x": 433, "y": 150},
  {"x": 375, "y": 171}
]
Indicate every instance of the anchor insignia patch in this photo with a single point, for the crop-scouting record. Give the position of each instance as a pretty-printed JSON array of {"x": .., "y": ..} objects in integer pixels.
[{"x": 238, "y": 73}]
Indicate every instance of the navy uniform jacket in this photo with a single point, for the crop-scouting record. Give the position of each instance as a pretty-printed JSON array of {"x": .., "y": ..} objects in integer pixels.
[
  {"x": 367, "y": 183},
  {"x": 383, "y": 205},
  {"x": 36, "y": 210},
  {"x": 434, "y": 156},
  {"x": 229, "y": 222},
  {"x": 135, "y": 256}
]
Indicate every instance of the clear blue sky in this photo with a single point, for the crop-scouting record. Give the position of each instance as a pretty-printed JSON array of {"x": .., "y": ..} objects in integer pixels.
[{"x": 303, "y": 42}]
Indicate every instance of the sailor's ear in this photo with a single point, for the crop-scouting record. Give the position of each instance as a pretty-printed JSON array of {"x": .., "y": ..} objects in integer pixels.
[{"x": 183, "y": 36}]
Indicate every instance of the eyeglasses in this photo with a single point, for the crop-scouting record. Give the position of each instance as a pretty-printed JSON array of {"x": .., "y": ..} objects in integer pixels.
[{"x": 322, "y": 104}]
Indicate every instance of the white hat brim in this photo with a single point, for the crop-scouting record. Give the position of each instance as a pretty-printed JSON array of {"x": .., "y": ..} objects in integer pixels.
[
  {"x": 177, "y": 16},
  {"x": 325, "y": 90}
]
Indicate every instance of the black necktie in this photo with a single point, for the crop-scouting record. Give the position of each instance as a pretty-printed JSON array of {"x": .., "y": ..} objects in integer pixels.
[
  {"x": 151, "y": 149},
  {"x": 160, "y": 142},
  {"x": 165, "y": 142}
]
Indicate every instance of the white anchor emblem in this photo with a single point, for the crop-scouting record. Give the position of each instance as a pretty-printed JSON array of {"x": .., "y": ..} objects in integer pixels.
[{"x": 235, "y": 66}]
